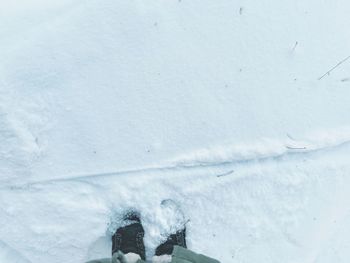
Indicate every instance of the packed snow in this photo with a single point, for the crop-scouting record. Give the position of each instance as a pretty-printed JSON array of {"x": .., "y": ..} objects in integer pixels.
[{"x": 238, "y": 110}]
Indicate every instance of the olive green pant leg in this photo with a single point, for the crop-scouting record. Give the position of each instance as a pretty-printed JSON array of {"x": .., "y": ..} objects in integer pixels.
[
  {"x": 109, "y": 260},
  {"x": 102, "y": 260},
  {"x": 183, "y": 255}
]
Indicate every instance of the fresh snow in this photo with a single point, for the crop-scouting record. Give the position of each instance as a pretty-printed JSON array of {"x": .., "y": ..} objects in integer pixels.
[{"x": 239, "y": 110}]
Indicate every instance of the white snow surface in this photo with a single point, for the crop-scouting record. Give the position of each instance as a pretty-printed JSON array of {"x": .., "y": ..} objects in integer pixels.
[{"x": 224, "y": 106}]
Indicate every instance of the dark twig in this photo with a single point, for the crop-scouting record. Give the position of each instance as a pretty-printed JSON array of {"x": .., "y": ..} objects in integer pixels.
[
  {"x": 224, "y": 174},
  {"x": 295, "y": 46},
  {"x": 290, "y": 137},
  {"x": 329, "y": 71}
]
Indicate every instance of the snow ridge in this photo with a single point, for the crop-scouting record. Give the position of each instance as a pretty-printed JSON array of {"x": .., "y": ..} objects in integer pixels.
[
  {"x": 220, "y": 157},
  {"x": 267, "y": 148}
]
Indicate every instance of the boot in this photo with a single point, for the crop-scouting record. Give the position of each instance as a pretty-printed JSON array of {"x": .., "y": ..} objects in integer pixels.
[
  {"x": 177, "y": 239},
  {"x": 129, "y": 237}
]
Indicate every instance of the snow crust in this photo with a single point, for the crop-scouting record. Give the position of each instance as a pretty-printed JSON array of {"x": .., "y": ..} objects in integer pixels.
[{"x": 223, "y": 106}]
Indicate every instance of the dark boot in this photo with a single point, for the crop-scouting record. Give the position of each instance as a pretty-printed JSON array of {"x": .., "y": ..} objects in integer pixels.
[
  {"x": 129, "y": 238},
  {"x": 177, "y": 239}
]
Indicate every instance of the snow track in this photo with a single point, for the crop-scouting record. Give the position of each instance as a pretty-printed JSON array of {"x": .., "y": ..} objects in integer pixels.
[{"x": 185, "y": 166}]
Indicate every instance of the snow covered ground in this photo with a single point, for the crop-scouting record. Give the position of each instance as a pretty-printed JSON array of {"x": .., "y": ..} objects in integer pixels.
[{"x": 222, "y": 105}]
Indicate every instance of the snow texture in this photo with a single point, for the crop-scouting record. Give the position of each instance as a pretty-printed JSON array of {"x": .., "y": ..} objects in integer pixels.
[{"x": 238, "y": 110}]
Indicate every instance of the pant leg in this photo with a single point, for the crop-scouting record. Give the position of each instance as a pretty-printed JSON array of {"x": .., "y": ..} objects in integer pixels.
[
  {"x": 102, "y": 260},
  {"x": 110, "y": 260},
  {"x": 183, "y": 255}
]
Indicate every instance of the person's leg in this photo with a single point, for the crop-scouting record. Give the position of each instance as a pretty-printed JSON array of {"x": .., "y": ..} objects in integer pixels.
[
  {"x": 118, "y": 257},
  {"x": 171, "y": 253},
  {"x": 102, "y": 260},
  {"x": 183, "y": 255}
]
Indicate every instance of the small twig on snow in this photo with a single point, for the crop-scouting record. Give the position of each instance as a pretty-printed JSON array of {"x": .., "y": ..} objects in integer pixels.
[
  {"x": 290, "y": 137},
  {"x": 329, "y": 71},
  {"x": 224, "y": 174},
  {"x": 295, "y": 46}
]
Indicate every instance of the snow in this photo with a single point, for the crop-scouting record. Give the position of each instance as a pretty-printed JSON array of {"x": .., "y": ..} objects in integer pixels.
[{"x": 219, "y": 105}]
